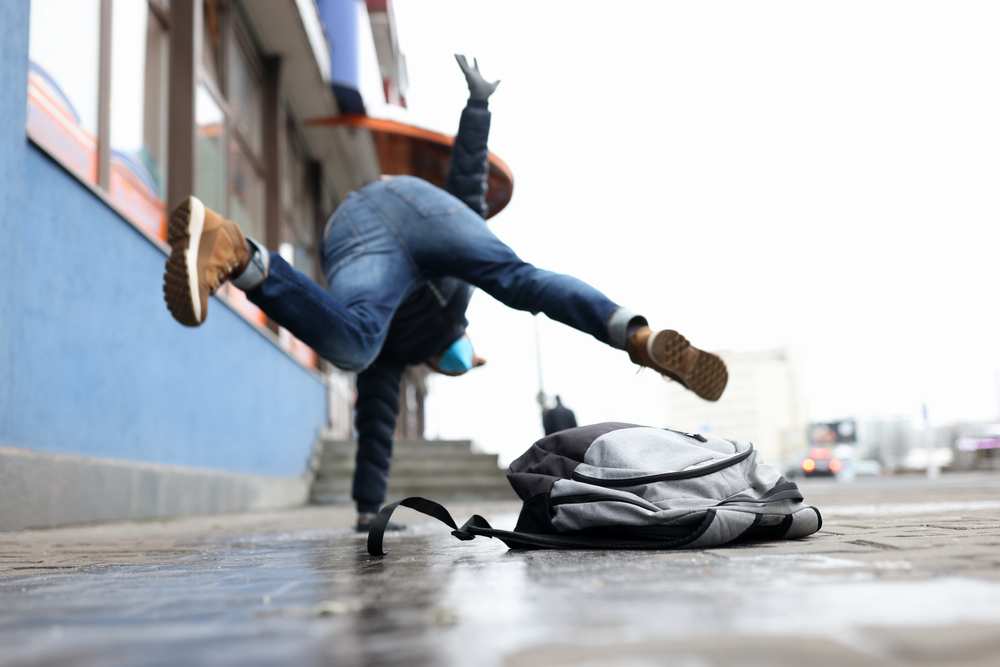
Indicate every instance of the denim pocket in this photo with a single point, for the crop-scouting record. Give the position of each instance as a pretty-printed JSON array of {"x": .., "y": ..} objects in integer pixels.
[{"x": 424, "y": 198}]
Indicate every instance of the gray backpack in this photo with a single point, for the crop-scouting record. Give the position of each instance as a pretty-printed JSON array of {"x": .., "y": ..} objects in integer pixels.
[{"x": 622, "y": 486}]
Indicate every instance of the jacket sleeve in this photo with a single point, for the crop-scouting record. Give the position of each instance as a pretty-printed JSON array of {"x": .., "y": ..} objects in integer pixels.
[
  {"x": 469, "y": 157},
  {"x": 375, "y": 420}
]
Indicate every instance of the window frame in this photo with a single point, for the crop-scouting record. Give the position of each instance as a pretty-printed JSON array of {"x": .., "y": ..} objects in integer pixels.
[
  {"x": 162, "y": 15},
  {"x": 293, "y": 147},
  {"x": 240, "y": 41},
  {"x": 234, "y": 35},
  {"x": 102, "y": 186}
]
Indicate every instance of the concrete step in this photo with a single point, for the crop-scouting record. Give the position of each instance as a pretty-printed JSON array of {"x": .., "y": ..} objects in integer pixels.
[
  {"x": 404, "y": 474},
  {"x": 341, "y": 494},
  {"x": 334, "y": 464},
  {"x": 471, "y": 495},
  {"x": 487, "y": 466},
  {"x": 444, "y": 483},
  {"x": 435, "y": 488},
  {"x": 425, "y": 470},
  {"x": 408, "y": 461},
  {"x": 415, "y": 446},
  {"x": 341, "y": 459},
  {"x": 323, "y": 496},
  {"x": 335, "y": 488},
  {"x": 433, "y": 468}
]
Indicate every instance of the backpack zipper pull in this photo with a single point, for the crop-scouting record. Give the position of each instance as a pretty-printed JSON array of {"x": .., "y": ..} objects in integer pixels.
[{"x": 695, "y": 436}]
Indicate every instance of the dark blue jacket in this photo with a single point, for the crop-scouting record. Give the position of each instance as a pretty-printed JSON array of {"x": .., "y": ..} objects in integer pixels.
[{"x": 424, "y": 326}]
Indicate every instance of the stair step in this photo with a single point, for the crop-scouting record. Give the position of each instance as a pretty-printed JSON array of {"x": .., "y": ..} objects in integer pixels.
[
  {"x": 433, "y": 468},
  {"x": 438, "y": 489},
  {"x": 339, "y": 491},
  {"x": 447, "y": 482},
  {"x": 428, "y": 446},
  {"x": 460, "y": 465},
  {"x": 335, "y": 465},
  {"x": 332, "y": 489},
  {"x": 320, "y": 498},
  {"x": 440, "y": 467},
  {"x": 347, "y": 460}
]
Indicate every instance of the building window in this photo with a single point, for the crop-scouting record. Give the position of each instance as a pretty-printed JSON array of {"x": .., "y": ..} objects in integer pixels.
[
  {"x": 230, "y": 173},
  {"x": 140, "y": 57},
  {"x": 297, "y": 222},
  {"x": 211, "y": 41},
  {"x": 246, "y": 98},
  {"x": 230, "y": 176},
  {"x": 246, "y": 191},
  {"x": 210, "y": 142},
  {"x": 97, "y": 97},
  {"x": 298, "y": 217},
  {"x": 63, "y": 81}
]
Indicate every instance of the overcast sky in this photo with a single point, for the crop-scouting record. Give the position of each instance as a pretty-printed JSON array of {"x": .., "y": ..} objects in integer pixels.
[{"x": 750, "y": 174}]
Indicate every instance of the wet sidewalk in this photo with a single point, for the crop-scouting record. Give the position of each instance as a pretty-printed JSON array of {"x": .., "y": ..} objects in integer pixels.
[{"x": 906, "y": 571}]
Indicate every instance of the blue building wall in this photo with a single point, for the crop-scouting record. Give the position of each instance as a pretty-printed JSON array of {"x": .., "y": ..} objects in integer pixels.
[{"x": 91, "y": 362}]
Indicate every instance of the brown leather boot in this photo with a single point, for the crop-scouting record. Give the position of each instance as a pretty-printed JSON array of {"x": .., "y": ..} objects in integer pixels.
[
  {"x": 207, "y": 251},
  {"x": 669, "y": 353}
]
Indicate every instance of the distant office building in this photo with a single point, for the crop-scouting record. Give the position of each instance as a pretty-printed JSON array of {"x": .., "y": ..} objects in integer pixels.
[{"x": 765, "y": 403}]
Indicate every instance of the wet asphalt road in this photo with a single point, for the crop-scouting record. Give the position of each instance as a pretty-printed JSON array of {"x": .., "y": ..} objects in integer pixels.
[{"x": 905, "y": 571}]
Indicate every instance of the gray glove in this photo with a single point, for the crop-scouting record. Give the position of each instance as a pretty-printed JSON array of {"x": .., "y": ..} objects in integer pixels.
[{"x": 479, "y": 88}]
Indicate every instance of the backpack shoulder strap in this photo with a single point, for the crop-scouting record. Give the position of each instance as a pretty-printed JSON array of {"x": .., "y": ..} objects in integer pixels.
[{"x": 424, "y": 506}]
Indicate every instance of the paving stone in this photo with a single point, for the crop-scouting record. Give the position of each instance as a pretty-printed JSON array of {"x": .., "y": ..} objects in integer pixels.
[{"x": 913, "y": 583}]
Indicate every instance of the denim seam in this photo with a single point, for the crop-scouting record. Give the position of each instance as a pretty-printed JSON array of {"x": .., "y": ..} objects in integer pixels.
[
  {"x": 328, "y": 227},
  {"x": 413, "y": 205},
  {"x": 357, "y": 235},
  {"x": 395, "y": 232}
]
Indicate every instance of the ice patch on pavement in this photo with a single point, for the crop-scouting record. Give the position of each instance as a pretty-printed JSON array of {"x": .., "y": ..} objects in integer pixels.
[
  {"x": 806, "y": 561},
  {"x": 909, "y": 508}
]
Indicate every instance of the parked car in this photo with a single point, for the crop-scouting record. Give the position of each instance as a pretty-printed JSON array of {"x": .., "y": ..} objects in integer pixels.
[{"x": 817, "y": 462}]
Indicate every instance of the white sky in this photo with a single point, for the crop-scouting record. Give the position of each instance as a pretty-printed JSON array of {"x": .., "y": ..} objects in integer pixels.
[{"x": 751, "y": 174}]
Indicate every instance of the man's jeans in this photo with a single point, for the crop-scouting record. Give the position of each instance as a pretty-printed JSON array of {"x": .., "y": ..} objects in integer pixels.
[{"x": 384, "y": 242}]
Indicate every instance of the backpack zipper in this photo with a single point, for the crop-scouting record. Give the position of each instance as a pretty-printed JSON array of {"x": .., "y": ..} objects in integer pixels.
[
  {"x": 695, "y": 436},
  {"x": 665, "y": 476},
  {"x": 582, "y": 498}
]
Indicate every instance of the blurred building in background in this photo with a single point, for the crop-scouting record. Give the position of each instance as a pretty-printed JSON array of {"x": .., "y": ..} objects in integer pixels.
[
  {"x": 977, "y": 446},
  {"x": 903, "y": 444},
  {"x": 112, "y": 112},
  {"x": 764, "y": 402},
  {"x": 887, "y": 439}
]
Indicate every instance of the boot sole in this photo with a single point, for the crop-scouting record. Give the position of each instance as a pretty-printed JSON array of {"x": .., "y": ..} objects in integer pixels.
[
  {"x": 180, "y": 281},
  {"x": 702, "y": 372}
]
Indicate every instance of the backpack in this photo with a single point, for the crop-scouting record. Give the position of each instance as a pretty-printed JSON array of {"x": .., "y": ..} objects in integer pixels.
[{"x": 622, "y": 486}]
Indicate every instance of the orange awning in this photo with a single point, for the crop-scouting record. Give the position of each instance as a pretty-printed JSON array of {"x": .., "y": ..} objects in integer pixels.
[{"x": 405, "y": 149}]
